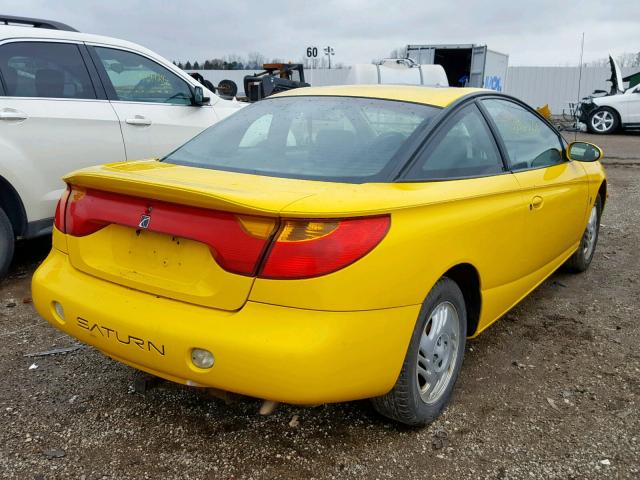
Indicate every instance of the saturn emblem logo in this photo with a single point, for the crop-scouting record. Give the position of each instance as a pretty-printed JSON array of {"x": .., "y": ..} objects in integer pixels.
[{"x": 145, "y": 220}]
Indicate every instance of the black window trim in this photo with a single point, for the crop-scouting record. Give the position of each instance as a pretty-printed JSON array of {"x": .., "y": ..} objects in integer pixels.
[
  {"x": 98, "y": 86},
  {"x": 499, "y": 139},
  {"x": 450, "y": 110},
  {"x": 79, "y": 45},
  {"x": 112, "y": 96},
  {"x": 440, "y": 125}
]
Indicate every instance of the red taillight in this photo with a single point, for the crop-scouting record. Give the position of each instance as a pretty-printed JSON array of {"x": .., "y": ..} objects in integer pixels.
[
  {"x": 301, "y": 249},
  {"x": 237, "y": 242},
  {"x": 310, "y": 248},
  {"x": 59, "y": 218}
]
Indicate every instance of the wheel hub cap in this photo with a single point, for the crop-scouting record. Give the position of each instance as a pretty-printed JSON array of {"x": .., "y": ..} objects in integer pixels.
[
  {"x": 437, "y": 352},
  {"x": 602, "y": 121},
  {"x": 590, "y": 233}
]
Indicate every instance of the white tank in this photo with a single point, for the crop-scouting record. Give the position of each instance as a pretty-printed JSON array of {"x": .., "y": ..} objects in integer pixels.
[{"x": 398, "y": 71}]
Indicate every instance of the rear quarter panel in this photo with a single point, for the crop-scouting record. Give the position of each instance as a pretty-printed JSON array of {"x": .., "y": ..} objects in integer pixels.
[{"x": 477, "y": 221}]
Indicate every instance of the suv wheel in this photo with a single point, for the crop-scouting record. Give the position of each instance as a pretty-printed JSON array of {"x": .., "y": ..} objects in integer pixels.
[
  {"x": 6, "y": 244},
  {"x": 603, "y": 120}
]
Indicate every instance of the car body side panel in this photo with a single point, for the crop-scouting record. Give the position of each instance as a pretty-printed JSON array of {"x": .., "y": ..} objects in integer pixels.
[
  {"x": 559, "y": 221},
  {"x": 596, "y": 175},
  {"x": 477, "y": 226},
  {"x": 56, "y": 136},
  {"x": 169, "y": 127},
  {"x": 493, "y": 299}
]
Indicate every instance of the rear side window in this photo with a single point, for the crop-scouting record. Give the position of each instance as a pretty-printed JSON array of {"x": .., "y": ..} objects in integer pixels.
[
  {"x": 137, "y": 79},
  {"x": 44, "y": 69},
  {"x": 463, "y": 148},
  {"x": 529, "y": 141},
  {"x": 343, "y": 139}
]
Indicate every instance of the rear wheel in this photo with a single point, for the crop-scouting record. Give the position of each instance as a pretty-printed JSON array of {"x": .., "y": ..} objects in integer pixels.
[
  {"x": 6, "y": 244},
  {"x": 603, "y": 120},
  {"x": 433, "y": 360},
  {"x": 581, "y": 259}
]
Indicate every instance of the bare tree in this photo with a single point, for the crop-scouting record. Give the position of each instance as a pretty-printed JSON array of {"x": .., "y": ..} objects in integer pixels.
[
  {"x": 624, "y": 60},
  {"x": 255, "y": 60},
  {"x": 400, "y": 52}
]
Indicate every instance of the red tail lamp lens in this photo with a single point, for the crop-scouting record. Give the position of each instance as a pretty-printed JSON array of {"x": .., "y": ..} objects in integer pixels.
[
  {"x": 61, "y": 207},
  {"x": 310, "y": 248},
  {"x": 237, "y": 242}
]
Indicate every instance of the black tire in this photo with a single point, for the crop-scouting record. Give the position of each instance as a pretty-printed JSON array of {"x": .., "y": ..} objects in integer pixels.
[
  {"x": 581, "y": 259},
  {"x": 404, "y": 402},
  {"x": 227, "y": 88},
  {"x": 7, "y": 244},
  {"x": 592, "y": 124}
]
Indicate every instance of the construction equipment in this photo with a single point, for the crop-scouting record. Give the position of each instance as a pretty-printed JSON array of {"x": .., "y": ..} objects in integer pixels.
[{"x": 276, "y": 77}]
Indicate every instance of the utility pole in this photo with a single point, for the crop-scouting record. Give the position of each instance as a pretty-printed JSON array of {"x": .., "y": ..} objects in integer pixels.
[{"x": 328, "y": 51}]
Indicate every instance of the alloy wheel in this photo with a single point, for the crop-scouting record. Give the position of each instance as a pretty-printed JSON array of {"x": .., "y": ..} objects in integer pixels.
[
  {"x": 591, "y": 233},
  {"x": 438, "y": 352},
  {"x": 602, "y": 121}
]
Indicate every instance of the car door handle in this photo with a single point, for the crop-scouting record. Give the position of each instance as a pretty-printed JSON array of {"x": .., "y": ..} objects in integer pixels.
[
  {"x": 11, "y": 114},
  {"x": 139, "y": 120},
  {"x": 536, "y": 202}
]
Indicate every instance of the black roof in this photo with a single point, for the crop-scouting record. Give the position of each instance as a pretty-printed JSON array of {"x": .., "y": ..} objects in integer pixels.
[{"x": 35, "y": 22}]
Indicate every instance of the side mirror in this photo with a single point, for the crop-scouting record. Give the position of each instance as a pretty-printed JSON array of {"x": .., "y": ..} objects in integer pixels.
[
  {"x": 584, "y": 152},
  {"x": 198, "y": 97}
]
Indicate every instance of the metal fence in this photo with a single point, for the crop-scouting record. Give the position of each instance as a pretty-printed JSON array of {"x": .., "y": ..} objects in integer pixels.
[{"x": 557, "y": 86}]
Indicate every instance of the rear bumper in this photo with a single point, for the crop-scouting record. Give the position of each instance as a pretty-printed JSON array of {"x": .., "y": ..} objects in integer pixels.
[{"x": 266, "y": 351}]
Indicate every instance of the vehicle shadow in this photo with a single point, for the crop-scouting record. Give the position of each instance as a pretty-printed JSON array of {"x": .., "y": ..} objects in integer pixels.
[{"x": 28, "y": 255}]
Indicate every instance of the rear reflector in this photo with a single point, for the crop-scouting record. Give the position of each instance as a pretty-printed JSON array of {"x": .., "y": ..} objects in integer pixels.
[{"x": 310, "y": 248}]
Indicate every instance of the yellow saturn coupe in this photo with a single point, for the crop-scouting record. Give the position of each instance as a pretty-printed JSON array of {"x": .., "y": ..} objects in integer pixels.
[{"x": 324, "y": 245}]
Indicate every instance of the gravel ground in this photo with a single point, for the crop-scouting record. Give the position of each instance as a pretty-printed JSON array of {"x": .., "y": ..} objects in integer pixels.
[{"x": 550, "y": 391}]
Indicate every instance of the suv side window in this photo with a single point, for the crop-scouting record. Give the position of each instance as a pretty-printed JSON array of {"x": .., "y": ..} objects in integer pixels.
[
  {"x": 464, "y": 148},
  {"x": 137, "y": 79},
  {"x": 44, "y": 69},
  {"x": 529, "y": 141}
]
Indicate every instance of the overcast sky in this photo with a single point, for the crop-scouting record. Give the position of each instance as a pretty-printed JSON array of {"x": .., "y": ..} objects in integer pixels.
[{"x": 544, "y": 32}]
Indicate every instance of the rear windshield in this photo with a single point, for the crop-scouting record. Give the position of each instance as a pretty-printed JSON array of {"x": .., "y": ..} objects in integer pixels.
[{"x": 343, "y": 139}]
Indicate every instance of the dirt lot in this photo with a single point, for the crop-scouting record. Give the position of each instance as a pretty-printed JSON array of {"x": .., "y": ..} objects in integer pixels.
[{"x": 551, "y": 391}]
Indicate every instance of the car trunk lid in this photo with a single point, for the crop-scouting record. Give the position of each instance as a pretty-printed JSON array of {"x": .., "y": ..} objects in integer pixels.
[{"x": 192, "y": 235}]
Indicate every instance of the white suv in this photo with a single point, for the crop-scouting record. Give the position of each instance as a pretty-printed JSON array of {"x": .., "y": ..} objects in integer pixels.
[{"x": 70, "y": 100}]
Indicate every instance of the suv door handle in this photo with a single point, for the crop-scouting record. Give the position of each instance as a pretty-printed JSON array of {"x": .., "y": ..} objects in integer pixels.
[
  {"x": 11, "y": 114},
  {"x": 536, "y": 202},
  {"x": 139, "y": 120}
]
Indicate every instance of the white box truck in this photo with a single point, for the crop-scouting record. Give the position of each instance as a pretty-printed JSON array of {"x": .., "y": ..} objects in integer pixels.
[{"x": 466, "y": 65}]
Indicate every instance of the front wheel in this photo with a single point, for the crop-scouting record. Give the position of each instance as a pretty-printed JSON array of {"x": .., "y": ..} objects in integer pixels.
[
  {"x": 433, "y": 360},
  {"x": 603, "y": 120},
  {"x": 581, "y": 259}
]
